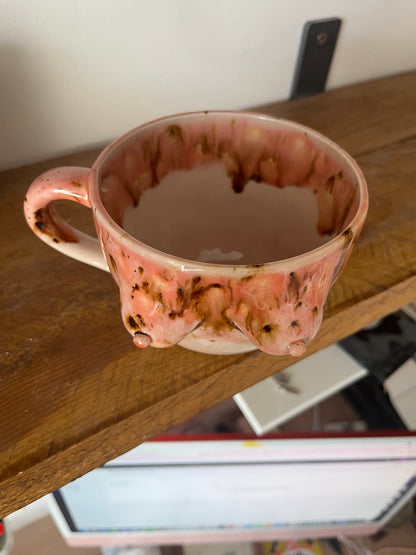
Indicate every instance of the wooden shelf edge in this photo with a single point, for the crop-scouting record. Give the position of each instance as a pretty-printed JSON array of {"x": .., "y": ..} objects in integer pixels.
[{"x": 58, "y": 469}]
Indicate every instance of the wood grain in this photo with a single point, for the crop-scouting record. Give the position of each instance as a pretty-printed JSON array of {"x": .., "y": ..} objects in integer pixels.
[
  {"x": 361, "y": 118},
  {"x": 74, "y": 392}
]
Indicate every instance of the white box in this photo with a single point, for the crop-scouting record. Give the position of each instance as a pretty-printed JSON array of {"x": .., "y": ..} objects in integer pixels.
[{"x": 297, "y": 388}]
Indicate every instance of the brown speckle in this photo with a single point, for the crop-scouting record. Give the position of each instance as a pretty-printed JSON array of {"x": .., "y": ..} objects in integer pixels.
[
  {"x": 140, "y": 269},
  {"x": 315, "y": 310},
  {"x": 199, "y": 302},
  {"x": 238, "y": 186},
  {"x": 131, "y": 322},
  {"x": 249, "y": 321},
  {"x": 134, "y": 194},
  {"x": 40, "y": 216},
  {"x": 76, "y": 183},
  {"x": 298, "y": 305},
  {"x": 226, "y": 323},
  {"x": 41, "y": 226},
  {"x": 174, "y": 132},
  {"x": 238, "y": 177},
  {"x": 329, "y": 184},
  {"x": 294, "y": 324},
  {"x": 238, "y": 182},
  {"x": 203, "y": 144},
  {"x": 113, "y": 264},
  {"x": 268, "y": 333},
  {"x": 253, "y": 267},
  {"x": 197, "y": 293},
  {"x": 348, "y": 236},
  {"x": 256, "y": 176},
  {"x": 293, "y": 286},
  {"x": 45, "y": 224},
  {"x": 222, "y": 148},
  {"x": 141, "y": 320}
]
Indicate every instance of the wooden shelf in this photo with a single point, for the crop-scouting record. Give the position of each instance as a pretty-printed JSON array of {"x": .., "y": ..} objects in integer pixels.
[{"x": 75, "y": 393}]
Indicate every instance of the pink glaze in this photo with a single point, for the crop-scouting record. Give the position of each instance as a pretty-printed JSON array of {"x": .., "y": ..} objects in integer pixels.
[{"x": 276, "y": 306}]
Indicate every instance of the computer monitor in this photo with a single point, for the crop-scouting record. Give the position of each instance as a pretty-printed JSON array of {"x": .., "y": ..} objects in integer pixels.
[{"x": 179, "y": 490}]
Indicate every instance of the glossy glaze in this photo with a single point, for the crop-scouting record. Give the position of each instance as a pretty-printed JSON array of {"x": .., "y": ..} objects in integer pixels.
[{"x": 276, "y": 306}]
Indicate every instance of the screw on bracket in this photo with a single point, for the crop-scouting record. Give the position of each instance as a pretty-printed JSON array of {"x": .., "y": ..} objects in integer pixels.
[{"x": 315, "y": 55}]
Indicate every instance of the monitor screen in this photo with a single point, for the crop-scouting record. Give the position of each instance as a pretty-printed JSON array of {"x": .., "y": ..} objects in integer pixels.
[{"x": 193, "y": 490}]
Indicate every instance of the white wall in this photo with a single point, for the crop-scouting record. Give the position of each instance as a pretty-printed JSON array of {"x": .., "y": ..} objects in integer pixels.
[{"x": 76, "y": 73}]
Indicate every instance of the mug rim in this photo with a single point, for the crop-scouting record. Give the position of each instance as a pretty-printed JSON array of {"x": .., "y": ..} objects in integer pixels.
[{"x": 167, "y": 259}]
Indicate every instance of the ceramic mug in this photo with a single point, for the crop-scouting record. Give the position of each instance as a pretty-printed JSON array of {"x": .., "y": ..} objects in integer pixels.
[{"x": 223, "y": 230}]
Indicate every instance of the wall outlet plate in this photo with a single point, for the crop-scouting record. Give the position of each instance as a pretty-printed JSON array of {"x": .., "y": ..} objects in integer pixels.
[{"x": 315, "y": 55}]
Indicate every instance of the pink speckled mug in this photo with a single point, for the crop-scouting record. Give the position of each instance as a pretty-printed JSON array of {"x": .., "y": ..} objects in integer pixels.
[{"x": 223, "y": 230}]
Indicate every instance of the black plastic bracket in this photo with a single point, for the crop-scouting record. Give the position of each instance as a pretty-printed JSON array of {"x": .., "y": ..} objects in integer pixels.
[{"x": 317, "y": 47}]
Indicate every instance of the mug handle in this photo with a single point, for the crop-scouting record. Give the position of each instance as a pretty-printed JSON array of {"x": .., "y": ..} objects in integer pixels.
[{"x": 45, "y": 221}]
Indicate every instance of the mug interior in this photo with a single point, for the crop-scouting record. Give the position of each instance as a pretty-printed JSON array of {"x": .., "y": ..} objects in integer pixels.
[{"x": 228, "y": 188}]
